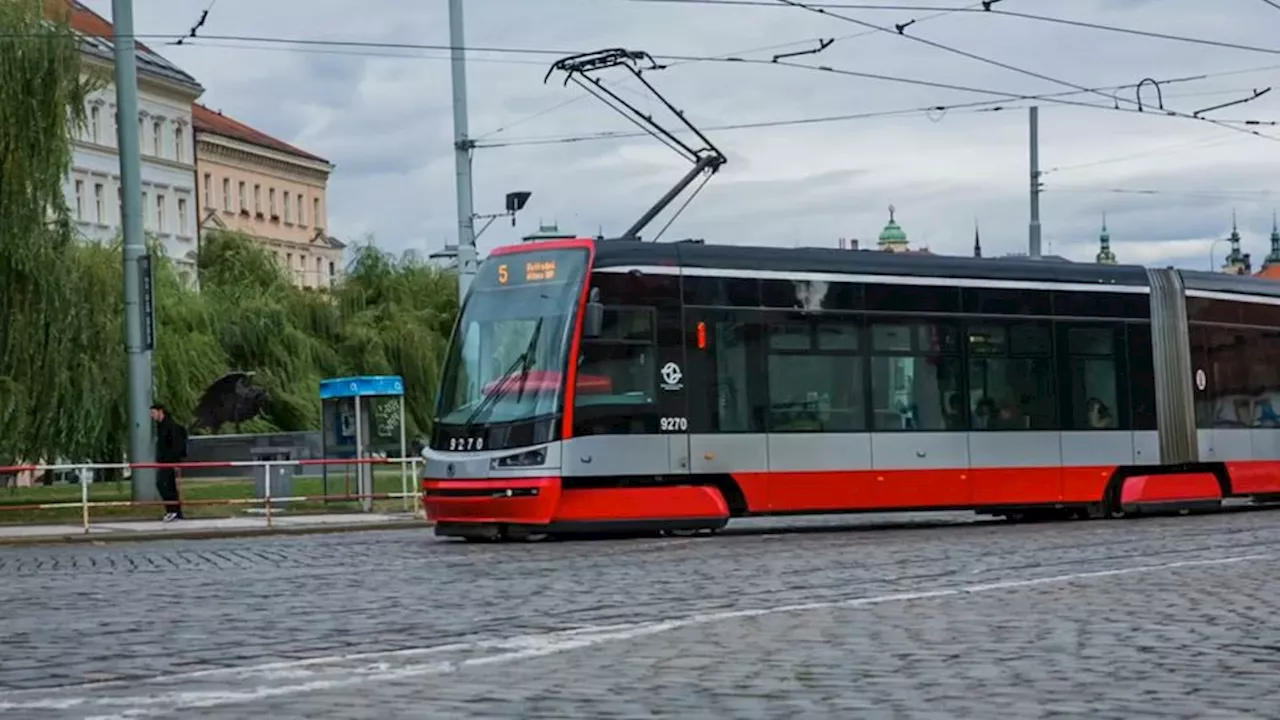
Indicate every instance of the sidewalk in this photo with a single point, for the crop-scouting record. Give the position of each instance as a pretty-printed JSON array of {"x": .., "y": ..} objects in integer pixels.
[{"x": 206, "y": 528}]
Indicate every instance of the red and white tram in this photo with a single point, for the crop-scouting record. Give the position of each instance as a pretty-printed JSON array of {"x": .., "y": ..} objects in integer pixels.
[{"x": 618, "y": 385}]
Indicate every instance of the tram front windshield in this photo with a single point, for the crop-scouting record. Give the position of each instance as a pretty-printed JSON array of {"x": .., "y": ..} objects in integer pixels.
[{"x": 509, "y": 353}]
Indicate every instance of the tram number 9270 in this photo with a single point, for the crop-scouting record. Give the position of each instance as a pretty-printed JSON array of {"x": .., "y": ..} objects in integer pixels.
[
  {"x": 673, "y": 424},
  {"x": 464, "y": 444}
]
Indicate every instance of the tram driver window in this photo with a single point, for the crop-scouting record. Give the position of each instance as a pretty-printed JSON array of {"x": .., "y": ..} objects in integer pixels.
[
  {"x": 615, "y": 392},
  {"x": 916, "y": 377}
]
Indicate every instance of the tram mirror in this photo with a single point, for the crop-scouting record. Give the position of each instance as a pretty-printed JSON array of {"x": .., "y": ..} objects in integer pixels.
[{"x": 593, "y": 318}]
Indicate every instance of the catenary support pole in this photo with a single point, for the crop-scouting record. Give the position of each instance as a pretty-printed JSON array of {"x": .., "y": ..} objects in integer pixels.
[
  {"x": 467, "y": 255},
  {"x": 137, "y": 302},
  {"x": 1033, "y": 239}
]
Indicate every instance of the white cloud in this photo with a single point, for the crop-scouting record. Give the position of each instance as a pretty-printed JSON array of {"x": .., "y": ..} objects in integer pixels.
[{"x": 385, "y": 121}]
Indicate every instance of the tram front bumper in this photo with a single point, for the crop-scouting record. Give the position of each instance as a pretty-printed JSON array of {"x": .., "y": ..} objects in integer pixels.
[{"x": 517, "y": 501}]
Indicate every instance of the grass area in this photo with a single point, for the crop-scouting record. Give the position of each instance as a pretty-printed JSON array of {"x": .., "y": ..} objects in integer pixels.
[{"x": 194, "y": 491}]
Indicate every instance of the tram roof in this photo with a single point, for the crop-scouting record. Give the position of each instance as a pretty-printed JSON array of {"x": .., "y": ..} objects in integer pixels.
[
  {"x": 615, "y": 253},
  {"x": 1226, "y": 283}
]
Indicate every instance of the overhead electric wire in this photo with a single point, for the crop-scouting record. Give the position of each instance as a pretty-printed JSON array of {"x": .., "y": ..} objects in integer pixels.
[
  {"x": 303, "y": 43},
  {"x": 1013, "y": 68},
  {"x": 1055, "y": 98},
  {"x": 974, "y": 106},
  {"x": 1272, "y": 3},
  {"x": 941, "y": 10},
  {"x": 717, "y": 57},
  {"x": 1103, "y": 27},
  {"x": 1164, "y": 149},
  {"x": 363, "y": 53},
  {"x": 1218, "y": 194}
]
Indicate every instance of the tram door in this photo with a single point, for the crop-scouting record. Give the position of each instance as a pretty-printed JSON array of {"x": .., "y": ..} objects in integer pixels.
[
  {"x": 652, "y": 401},
  {"x": 673, "y": 388}
]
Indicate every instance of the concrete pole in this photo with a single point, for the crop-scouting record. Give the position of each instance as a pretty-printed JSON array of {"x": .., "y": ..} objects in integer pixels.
[
  {"x": 137, "y": 321},
  {"x": 467, "y": 255},
  {"x": 1034, "y": 231}
]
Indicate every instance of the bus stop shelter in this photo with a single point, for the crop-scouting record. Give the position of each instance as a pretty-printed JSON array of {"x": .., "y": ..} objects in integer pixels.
[{"x": 363, "y": 417}]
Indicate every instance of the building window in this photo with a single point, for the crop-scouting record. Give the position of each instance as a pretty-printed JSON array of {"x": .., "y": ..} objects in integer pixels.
[
  {"x": 271, "y": 202},
  {"x": 208, "y": 190},
  {"x": 916, "y": 376},
  {"x": 142, "y": 132},
  {"x": 287, "y": 215},
  {"x": 257, "y": 199},
  {"x": 177, "y": 143},
  {"x": 95, "y": 124},
  {"x": 120, "y": 204},
  {"x": 159, "y": 213},
  {"x": 288, "y": 262},
  {"x": 115, "y": 124},
  {"x": 331, "y": 272},
  {"x": 226, "y": 194},
  {"x": 319, "y": 269},
  {"x": 244, "y": 198},
  {"x": 182, "y": 216},
  {"x": 157, "y": 139},
  {"x": 315, "y": 213},
  {"x": 99, "y": 201},
  {"x": 302, "y": 213},
  {"x": 146, "y": 216},
  {"x": 79, "y": 199}
]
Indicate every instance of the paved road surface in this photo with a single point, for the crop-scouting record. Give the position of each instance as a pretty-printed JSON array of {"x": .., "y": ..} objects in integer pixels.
[{"x": 1157, "y": 618}]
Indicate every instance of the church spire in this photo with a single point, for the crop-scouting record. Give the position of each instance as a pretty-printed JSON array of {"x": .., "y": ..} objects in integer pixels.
[
  {"x": 1105, "y": 256},
  {"x": 1238, "y": 262},
  {"x": 977, "y": 240},
  {"x": 1274, "y": 256}
]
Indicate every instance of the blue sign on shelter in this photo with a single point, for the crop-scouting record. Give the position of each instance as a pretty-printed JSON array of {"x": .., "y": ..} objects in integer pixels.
[{"x": 362, "y": 386}]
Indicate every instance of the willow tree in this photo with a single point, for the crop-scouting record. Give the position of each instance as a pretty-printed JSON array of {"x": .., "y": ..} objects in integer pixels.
[
  {"x": 388, "y": 315},
  {"x": 52, "y": 396},
  {"x": 397, "y": 314}
]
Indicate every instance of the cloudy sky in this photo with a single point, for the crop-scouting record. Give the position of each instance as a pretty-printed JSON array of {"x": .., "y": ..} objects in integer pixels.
[{"x": 382, "y": 114}]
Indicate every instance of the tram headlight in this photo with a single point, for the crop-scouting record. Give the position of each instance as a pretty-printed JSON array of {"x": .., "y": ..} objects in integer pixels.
[{"x": 528, "y": 458}]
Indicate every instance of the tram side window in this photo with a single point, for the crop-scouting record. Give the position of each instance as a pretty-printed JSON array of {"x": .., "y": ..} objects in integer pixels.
[
  {"x": 724, "y": 356},
  {"x": 1141, "y": 377},
  {"x": 815, "y": 376},
  {"x": 1242, "y": 381},
  {"x": 1011, "y": 378},
  {"x": 916, "y": 376},
  {"x": 1094, "y": 390},
  {"x": 1199, "y": 338},
  {"x": 1264, "y": 375},
  {"x": 616, "y": 382}
]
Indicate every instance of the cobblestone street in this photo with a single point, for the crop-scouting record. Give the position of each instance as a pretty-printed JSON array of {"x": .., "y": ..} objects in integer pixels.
[{"x": 927, "y": 616}]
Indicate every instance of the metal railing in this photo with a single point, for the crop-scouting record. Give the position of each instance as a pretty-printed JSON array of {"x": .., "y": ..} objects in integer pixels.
[{"x": 411, "y": 497}]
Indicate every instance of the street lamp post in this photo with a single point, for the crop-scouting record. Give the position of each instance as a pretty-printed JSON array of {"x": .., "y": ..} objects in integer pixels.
[{"x": 1212, "y": 246}]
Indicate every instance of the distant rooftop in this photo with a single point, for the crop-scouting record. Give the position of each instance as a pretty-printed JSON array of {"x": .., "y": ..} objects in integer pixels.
[
  {"x": 96, "y": 34},
  {"x": 214, "y": 122}
]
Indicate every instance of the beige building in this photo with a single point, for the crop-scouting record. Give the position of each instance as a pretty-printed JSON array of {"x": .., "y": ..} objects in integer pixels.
[{"x": 250, "y": 182}]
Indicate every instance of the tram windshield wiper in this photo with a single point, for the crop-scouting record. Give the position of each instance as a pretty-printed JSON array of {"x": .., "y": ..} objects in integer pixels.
[{"x": 523, "y": 363}]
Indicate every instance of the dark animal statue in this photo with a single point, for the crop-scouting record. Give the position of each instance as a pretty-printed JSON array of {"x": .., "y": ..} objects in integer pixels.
[{"x": 230, "y": 399}]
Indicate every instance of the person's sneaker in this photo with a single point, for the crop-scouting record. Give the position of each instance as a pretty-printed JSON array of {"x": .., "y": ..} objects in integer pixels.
[{"x": 169, "y": 517}]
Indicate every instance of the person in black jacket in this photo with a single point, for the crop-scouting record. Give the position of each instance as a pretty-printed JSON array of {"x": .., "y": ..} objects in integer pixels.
[{"x": 171, "y": 447}]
